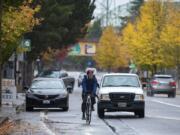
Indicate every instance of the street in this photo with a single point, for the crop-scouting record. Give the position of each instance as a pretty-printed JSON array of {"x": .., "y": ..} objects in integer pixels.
[
  {"x": 49, "y": 48},
  {"x": 162, "y": 118}
]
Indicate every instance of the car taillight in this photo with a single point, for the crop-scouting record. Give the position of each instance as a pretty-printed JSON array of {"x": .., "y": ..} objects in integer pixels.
[
  {"x": 172, "y": 83},
  {"x": 154, "y": 82}
]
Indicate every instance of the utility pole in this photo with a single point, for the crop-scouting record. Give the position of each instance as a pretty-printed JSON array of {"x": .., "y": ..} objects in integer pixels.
[
  {"x": 107, "y": 12},
  {"x": 106, "y": 7}
]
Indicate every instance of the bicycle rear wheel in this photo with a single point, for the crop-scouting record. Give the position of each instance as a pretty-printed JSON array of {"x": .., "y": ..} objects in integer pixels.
[{"x": 88, "y": 110}]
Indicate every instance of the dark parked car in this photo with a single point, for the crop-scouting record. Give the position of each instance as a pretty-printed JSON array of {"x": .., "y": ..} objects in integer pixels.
[
  {"x": 162, "y": 84},
  {"x": 47, "y": 93},
  {"x": 68, "y": 80},
  {"x": 80, "y": 78}
]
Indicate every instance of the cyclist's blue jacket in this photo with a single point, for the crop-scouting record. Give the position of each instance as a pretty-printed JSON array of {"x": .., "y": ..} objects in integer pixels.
[{"x": 89, "y": 85}]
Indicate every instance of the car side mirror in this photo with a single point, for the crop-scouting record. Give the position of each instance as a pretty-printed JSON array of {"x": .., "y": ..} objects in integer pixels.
[
  {"x": 69, "y": 89},
  {"x": 26, "y": 88}
]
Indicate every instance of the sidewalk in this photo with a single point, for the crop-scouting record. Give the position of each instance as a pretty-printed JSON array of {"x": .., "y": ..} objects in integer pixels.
[{"x": 10, "y": 111}]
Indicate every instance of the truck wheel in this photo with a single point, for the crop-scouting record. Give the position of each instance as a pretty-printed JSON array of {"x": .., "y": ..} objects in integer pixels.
[
  {"x": 29, "y": 108},
  {"x": 101, "y": 113},
  {"x": 140, "y": 113}
]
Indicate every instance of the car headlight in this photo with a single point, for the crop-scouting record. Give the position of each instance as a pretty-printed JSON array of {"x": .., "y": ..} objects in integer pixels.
[
  {"x": 104, "y": 97},
  {"x": 64, "y": 95},
  {"x": 139, "y": 97}
]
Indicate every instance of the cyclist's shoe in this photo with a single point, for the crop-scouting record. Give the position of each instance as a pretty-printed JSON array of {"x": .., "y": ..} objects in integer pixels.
[{"x": 83, "y": 116}]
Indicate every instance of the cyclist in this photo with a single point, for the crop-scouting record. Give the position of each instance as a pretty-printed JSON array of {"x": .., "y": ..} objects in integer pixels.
[{"x": 89, "y": 85}]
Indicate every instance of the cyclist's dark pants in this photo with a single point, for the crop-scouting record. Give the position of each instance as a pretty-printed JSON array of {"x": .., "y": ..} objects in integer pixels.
[{"x": 84, "y": 98}]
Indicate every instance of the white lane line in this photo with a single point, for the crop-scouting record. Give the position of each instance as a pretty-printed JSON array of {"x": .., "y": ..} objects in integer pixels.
[
  {"x": 44, "y": 118},
  {"x": 169, "y": 104},
  {"x": 47, "y": 130},
  {"x": 163, "y": 117}
]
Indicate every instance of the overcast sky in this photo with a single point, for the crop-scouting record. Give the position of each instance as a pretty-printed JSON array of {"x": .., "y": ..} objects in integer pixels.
[{"x": 99, "y": 4}]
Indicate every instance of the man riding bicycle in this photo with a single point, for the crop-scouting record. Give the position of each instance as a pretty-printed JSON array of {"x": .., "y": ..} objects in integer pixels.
[{"x": 89, "y": 86}]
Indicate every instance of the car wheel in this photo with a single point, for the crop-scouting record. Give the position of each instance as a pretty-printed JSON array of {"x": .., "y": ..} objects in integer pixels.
[
  {"x": 173, "y": 95},
  {"x": 101, "y": 113},
  {"x": 148, "y": 93},
  {"x": 65, "y": 108},
  {"x": 67, "y": 105},
  {"x": 151, "y": 94},
  {"x": 140, "y": 113},
  {"x": 29, "y": 108}
]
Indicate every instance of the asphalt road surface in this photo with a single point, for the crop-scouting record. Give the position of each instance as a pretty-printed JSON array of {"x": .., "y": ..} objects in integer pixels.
[{"x": 162, "y": 118}]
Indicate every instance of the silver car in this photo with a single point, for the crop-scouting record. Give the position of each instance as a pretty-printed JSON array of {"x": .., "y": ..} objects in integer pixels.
[{"x": 162, "y": 84}]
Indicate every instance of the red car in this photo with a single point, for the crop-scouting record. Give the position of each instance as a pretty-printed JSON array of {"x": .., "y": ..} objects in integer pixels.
[{"x": 162, "y": 84}]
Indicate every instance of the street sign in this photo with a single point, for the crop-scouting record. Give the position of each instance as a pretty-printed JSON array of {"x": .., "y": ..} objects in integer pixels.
[
  {"x": 26, "y": 44},
  {"x": 132, "y": 66}
]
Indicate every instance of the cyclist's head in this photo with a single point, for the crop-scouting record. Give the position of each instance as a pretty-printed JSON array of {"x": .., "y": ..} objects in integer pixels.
[{"x": 90, "y": 73}]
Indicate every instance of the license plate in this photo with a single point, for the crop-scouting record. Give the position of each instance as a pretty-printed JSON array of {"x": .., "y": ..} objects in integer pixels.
[
  {"x": 46, "y": 102},
  {"x": 122, "y": 104}
]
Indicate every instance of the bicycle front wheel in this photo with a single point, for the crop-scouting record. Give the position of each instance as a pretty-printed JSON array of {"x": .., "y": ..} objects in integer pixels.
[{"x": 88, "y": 111}]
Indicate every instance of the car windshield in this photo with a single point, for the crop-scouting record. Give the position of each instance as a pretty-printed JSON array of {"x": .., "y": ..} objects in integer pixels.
[
  {"x": 120, "y": 81},
  {"x": 50, "y": 74},
  {"x": 47, "y": 84}
]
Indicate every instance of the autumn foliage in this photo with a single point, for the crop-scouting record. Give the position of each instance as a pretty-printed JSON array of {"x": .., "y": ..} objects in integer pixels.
[
  {"x": 152, "y": 41},
  {"x": 16, "y": 21},
  {"x": 111, "y": 53}
]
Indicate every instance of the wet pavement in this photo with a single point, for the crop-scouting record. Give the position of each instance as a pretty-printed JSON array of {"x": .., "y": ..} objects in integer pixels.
[{"x": 162, "y": 118}]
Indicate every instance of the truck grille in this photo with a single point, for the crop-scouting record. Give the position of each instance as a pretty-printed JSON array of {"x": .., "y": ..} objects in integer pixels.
[
  {"x": 122, "y": 97},
  {"x": 46, "y": 97}
]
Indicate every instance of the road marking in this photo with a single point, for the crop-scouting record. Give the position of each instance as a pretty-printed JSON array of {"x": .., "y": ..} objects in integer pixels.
[
  {"x": 46, "y": 128},
  {"x": 169, "y": 104},
  {"x": 163, "y": 117},
  {"x": 44, "y": 118}
]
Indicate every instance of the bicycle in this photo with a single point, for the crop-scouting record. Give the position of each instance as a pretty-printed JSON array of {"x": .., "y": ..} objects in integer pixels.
[{"x": 88, "y": 110}]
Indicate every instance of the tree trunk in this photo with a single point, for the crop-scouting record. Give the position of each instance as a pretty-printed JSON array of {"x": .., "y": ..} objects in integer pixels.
[
  {"x": 1, "y": 68},
  {"x": 1, "y": 10},
  {"x": 29, "y": 75},
  {"x": 154, "y": 69}
]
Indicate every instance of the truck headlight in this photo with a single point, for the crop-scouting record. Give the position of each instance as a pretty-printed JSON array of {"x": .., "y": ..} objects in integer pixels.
[
  {"x": 104, "y": 97},
  {"x": 139, "y": 97}
]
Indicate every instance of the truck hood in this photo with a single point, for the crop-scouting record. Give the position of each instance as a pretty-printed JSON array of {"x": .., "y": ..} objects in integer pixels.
[{"x": 107, "y": 90}]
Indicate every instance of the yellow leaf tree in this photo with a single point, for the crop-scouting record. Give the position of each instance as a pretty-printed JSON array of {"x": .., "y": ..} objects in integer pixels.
[
  {"x": 143, "y": 37},
  {"x": 170, "y": 36},
  {"x": 16, "y": 21},
  {"x": 110, "y": 51}
]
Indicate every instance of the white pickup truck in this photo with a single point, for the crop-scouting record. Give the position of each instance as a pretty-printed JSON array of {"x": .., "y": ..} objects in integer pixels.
[{"x": 121, "y": 92}]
